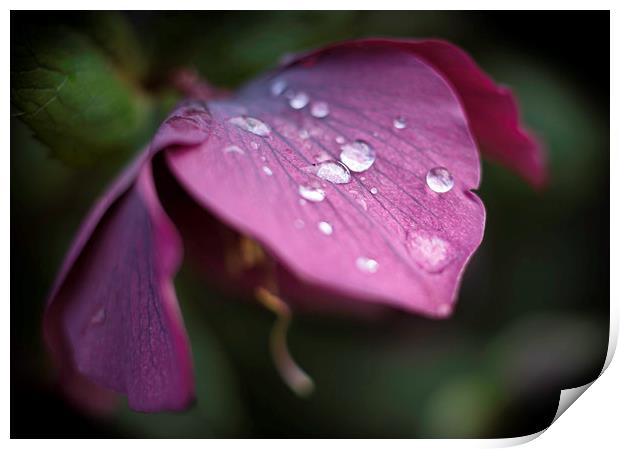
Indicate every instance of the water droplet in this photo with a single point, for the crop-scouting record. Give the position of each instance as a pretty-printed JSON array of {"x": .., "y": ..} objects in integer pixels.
[
  {"x": 340, "y": 140},
  {"x": 319, "y": 109},
  {"x": 374, "y": 190},
  {"x": 252, "y": 125},
  {"x": 439, "y": 180},
  {"x": 358, "y": 156},
  {"x": 267, "y": 171},
  {"x": 400, "y": 122},
  {"x": 313, "y": 194},
  {"x": 99, "y": 316},
  {"x": 334, "y": 172},
  {"x": 304, "y": 134},
  {"x": 325, "y": 228},
  {"x": 431, "y": 252},
  {"x": 299, "y": 100},
  {"x": 366, "y": 265},
  {"x": 254, "y": 145},
  {"x": 277, "y": 87},
  {"x": 233, "y": 149},
  {"x": 299, "y": 223}
]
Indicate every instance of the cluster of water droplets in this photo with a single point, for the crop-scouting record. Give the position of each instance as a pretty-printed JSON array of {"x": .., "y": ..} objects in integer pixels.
[{"x": 355, "y": 156}]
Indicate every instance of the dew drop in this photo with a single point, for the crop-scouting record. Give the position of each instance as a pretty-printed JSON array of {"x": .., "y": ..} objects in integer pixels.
[
  {"x": 400, "y": 122},
  {"x": 315, "y": 195},
  {"x": 366, "y": 265},
  {"x": 340, "y": 140},
  {"x": 233, "y": 149},
  {"x": 358, "y": 156},
  {"x": 277, "y": 87},
  {"x": 319, "y": 109},
  {"x": 325, "y": 228},
  {"x": 431, "y": 252},
  {"x": 334, "y": 172},
  {"x": 374, "y": 190},
  {"x": 304, "y": 134},
  {"x": 267, "y": 170},
  {"x": 254, "y": 145},
  {"x": 299, "y": 100},
  {"x": 439, "y": 180},
  {"x": 252, "y": 125}
]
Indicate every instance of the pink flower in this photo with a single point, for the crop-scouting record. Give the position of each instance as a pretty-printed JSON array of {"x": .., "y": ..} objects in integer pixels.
[{"x": 352, "y": 167}]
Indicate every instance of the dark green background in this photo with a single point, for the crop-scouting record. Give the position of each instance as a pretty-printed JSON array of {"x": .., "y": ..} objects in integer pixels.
[{"x": 534, "y": 306}]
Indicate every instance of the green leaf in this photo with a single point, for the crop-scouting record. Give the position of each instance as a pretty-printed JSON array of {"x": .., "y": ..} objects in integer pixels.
[{"x": 77, "y": 92}]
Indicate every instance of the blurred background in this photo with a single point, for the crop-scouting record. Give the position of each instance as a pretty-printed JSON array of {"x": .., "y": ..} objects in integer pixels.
[{"x": 533, "y": 313}]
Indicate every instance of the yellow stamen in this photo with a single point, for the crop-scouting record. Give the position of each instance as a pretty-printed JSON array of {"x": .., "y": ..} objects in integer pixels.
[
  {"x": 290, "y": 372},
  {"x": 252, "y": 254},
  {"x": 242, "y": 254}
]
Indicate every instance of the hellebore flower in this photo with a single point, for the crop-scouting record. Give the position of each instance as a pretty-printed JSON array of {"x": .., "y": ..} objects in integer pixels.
[{"x": 352, "y": 167}]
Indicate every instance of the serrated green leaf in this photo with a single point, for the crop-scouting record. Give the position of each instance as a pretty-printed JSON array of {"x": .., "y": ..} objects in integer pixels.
[{"x": 74, "y": 95}]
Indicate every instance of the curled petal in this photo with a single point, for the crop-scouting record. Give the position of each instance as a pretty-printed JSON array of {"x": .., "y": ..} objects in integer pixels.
[
  {"x": 112, "y": 318},
  {"x": 374, "y": 232},
  {"x": 491, "y": 110}
]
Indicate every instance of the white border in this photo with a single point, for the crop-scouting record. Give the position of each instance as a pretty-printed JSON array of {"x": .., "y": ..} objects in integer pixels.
[{"x": 593, "y": 421}]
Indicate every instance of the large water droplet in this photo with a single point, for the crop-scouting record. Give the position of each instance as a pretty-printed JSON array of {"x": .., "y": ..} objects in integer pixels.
[
  {"x": 358, "y": 155},
  {"x": 334, "y": 172},
  {"x": 439, "y": 180},
  {"x": 431, "y": 252},
  {"x": 267, "y": 170},
  {"x": 366, "y": 265},
  {"x": 319, "y": 109},
  {"x": 400, "y": 122},
  {"x": 233, "y": 149},
  {"x": 252, "y": 125},
  {"x": 325, "y": 228},
  {"x": 299, "y": 100},
  {"x": 277, "y": 87},
  {"x": 313, "y": 194}
]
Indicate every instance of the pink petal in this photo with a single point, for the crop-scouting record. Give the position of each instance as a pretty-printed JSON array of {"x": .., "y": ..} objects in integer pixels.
[
  {"x": 491, "y": 109},
  {"x": 421, "y": 240},
  {"x": 112, "y": 316}
]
